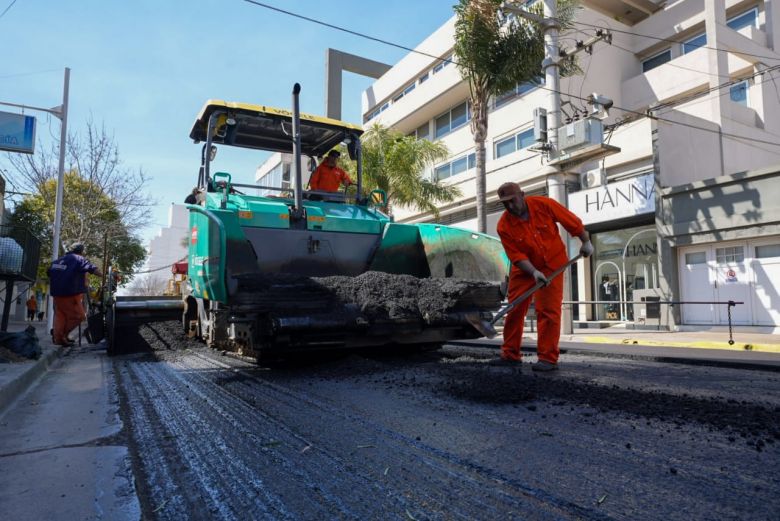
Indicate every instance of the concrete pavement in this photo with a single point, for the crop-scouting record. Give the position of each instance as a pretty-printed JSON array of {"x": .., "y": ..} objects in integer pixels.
[{"x": 62, "y": 451}]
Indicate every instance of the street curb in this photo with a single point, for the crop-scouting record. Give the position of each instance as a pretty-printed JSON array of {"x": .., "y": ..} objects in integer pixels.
[
  {"x": 760, "y": 348},
  {"x": 16, "y": 387}
]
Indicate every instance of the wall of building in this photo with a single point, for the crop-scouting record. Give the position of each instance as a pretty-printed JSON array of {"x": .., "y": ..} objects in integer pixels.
[{"x": 169, "y": 246}]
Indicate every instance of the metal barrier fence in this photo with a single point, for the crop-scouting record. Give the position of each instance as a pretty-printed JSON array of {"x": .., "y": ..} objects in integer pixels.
[{"x": 20, "y": 252}]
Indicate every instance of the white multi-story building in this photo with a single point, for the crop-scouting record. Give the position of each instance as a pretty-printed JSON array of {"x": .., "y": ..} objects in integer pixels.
[
  {"x": 689, "y": 209},
  {"x": 170, "y": 246}
]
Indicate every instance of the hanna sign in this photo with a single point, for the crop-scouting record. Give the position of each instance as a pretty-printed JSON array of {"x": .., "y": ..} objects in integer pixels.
[
  {"x": 17, "y": 133},
  {"x": 612, "y": 201}
]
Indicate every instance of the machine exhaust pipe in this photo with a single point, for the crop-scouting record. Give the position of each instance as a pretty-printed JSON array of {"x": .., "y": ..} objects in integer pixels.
[{"x": 296, "y": 124}]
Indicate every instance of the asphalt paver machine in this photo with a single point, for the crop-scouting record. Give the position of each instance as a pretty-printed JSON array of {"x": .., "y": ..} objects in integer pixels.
[{"x": 279, "y": 269}]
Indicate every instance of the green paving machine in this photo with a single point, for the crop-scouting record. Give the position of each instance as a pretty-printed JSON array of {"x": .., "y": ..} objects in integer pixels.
[{"x": 266, "y": 264}]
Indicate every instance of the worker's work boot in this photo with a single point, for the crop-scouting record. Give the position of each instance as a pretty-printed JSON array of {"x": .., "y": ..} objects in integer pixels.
[{"x": 544, "y": 367}]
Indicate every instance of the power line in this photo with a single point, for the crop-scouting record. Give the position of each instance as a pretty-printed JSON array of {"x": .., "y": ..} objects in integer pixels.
[
  {"x": 615, "y": 107},
  {"x": 7, "y": 8},
  {"x": 345, "y": 30},
  {"x": 668, "y": 40},
  {"x": 18, "y": 74}
]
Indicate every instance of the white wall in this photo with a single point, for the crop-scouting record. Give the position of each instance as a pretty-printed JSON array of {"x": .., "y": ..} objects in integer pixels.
[{"x": 167, "y": 248}]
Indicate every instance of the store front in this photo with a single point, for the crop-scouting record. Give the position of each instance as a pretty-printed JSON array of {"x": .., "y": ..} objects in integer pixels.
[
  {"x": 623, "y": 260},
  {"x": 621, "y": 219}
]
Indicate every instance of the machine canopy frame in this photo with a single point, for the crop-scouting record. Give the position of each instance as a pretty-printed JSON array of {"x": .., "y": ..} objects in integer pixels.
[{"x": 266, "y": 128}]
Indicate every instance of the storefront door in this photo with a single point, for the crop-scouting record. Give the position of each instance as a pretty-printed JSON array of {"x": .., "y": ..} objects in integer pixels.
[
  {"x": 766, "y": 293},
  {"x": 733, "y": 283},
  {"x": 697, "y": 284},
  {"x": 716, "y": 273}
]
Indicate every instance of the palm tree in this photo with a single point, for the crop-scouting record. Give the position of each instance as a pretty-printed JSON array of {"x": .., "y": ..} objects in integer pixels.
[
  {"x": 396, "y": 163},
  {"x": 494, "y": 57}
]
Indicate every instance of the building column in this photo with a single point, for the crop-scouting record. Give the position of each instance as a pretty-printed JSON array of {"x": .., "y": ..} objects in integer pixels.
[
  {"x": 772, "y": 27},
  {"x": 717, "y": 62}
]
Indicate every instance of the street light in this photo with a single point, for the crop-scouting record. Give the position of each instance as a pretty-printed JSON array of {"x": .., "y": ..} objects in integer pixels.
[{"x": 60, "y": 112}]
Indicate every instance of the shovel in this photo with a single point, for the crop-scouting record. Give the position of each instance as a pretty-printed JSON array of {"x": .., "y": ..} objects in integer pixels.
[{"x": 488, "y": 328}]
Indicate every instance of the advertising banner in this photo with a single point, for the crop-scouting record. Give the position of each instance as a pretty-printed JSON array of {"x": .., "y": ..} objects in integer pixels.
[{"x": 17, "y": 133}]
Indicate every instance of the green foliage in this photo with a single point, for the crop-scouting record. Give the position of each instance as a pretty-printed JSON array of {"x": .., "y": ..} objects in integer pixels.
[
  {"x": 395, "y": 163},
  {"x": 495, "y": 56},
  {"x": 88, "y": 216}
]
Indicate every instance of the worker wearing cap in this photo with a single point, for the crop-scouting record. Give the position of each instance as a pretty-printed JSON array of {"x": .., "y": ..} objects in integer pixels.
[
  {"x": 67, "y": 277},
  {"x": 328, "y": 177},
  {"x": 529, "y": 234}
]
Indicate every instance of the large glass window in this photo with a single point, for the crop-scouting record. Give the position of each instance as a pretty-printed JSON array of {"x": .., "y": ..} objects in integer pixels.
[
  {"x": 454, "y": 167},
  {"x": 623, "y": 261},
  {"x": 743, "y": 20},
  {"x": 738, "y": 93},
  {"x": 694, "y": 43},
  {"x": 657, "y": 60},
  {"x": 511, "y": 144},
  {"x": 455, "y": 118},
  {"x": 505, "y": 146}
]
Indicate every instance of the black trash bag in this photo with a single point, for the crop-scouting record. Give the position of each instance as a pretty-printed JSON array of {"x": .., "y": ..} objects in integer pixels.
[{"x": 23, "y": 343}]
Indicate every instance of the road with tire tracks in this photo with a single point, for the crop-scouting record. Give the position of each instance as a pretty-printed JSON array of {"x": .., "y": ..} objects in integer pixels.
[{"x": 446, "y": 434}]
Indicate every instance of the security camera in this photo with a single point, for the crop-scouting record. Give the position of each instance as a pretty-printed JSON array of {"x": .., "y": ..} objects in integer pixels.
[{"x": 600, "y": 105}]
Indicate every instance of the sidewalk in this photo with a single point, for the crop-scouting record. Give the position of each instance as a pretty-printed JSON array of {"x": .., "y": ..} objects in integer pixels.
[
  {"x": 62, "y": 452},
  {"x": 758, "y": 339}
]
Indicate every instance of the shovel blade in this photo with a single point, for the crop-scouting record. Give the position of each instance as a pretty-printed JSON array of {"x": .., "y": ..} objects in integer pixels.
[{"x": 481, "y": 325}]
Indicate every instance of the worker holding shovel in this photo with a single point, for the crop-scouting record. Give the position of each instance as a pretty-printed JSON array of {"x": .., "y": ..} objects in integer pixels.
[{"x": 530, "y": 237}]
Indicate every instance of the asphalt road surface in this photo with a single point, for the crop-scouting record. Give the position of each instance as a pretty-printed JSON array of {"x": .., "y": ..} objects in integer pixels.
[{"x": 446, "y": 435}]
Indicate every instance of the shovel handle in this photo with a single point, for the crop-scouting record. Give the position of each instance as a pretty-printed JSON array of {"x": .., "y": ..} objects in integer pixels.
[{"x": 533, "y": 289}]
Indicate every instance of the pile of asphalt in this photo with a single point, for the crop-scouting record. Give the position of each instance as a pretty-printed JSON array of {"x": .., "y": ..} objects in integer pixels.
[{"x": 379, "y": 295}]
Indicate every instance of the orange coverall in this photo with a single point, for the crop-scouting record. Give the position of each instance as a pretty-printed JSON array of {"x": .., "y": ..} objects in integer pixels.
[
  {"x": 328, "y": 179},
  {"x": 538, "y": 241}
]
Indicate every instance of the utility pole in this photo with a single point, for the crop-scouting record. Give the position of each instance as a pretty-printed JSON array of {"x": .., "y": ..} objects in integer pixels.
[
  {"x": 55, "y": 246},
  {"x": 60, "y": 112},
  {"x": 555, "y": 178}
]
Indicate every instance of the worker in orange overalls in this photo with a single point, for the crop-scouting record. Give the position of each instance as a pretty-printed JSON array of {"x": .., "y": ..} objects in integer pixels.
[
  {"x": 530, "y": 237},
  {"x": 328, "y": 177}
]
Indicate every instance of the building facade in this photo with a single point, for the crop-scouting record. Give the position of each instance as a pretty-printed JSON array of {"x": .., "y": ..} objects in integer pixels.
[
  {"x": 688, "y": 209},
  {"x": 170, "y": 244}
]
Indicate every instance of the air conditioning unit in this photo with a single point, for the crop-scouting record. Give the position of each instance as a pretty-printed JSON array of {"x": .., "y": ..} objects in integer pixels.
[
  {"x": 580, "y": 134},
  {"x": 593, "y": 178}
]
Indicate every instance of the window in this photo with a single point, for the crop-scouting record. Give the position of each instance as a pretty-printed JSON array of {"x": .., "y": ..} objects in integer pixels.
[
  {"x": 770, "y": 250},
  {"x": 698, "y": 257},
  {"x": 443, "y": 63},
  {"x": 525, "y": 139},
  {"x": 506, "y": 146},
  {"x": 511, "y": 144},
  {"x": 449, "y": 121},
  {"x": 423, "y": 78},
  {"x": 732, "y": 254},
  {"x": 738, "y": 93},
  {"x": 455, "y": 167},
  {"x": 519, "y": 90},
  {"x": 743, "y": 20},
  {"x": 409, "y": 88},
  {"x": 422, "y": 132},
  {"x": 441, "y": 172},
  {"x": 655, "y": 61},
  {"x": 694, "y": 43}
]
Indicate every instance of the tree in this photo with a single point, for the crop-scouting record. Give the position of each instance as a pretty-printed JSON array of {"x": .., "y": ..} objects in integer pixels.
[
  {"x": 494, "y": 57},
  {"x": 150, "y": 284},
  {"x": 89, "y": 216},
  {"x": 395, "y": 163},
  {"x": 93, "y": 156}
]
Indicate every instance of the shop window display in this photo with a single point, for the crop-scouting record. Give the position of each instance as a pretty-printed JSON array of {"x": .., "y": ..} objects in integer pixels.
[{"x": 624, "y": 260}]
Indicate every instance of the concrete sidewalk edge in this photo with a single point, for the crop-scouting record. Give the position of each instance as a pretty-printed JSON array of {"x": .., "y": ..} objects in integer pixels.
[
  {"x": 14, "y": 388},
  {"x": 737, "y": 346}
]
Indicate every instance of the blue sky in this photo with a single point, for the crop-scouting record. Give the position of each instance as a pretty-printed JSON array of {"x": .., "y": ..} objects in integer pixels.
[{"x": 144, "y": 68}]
